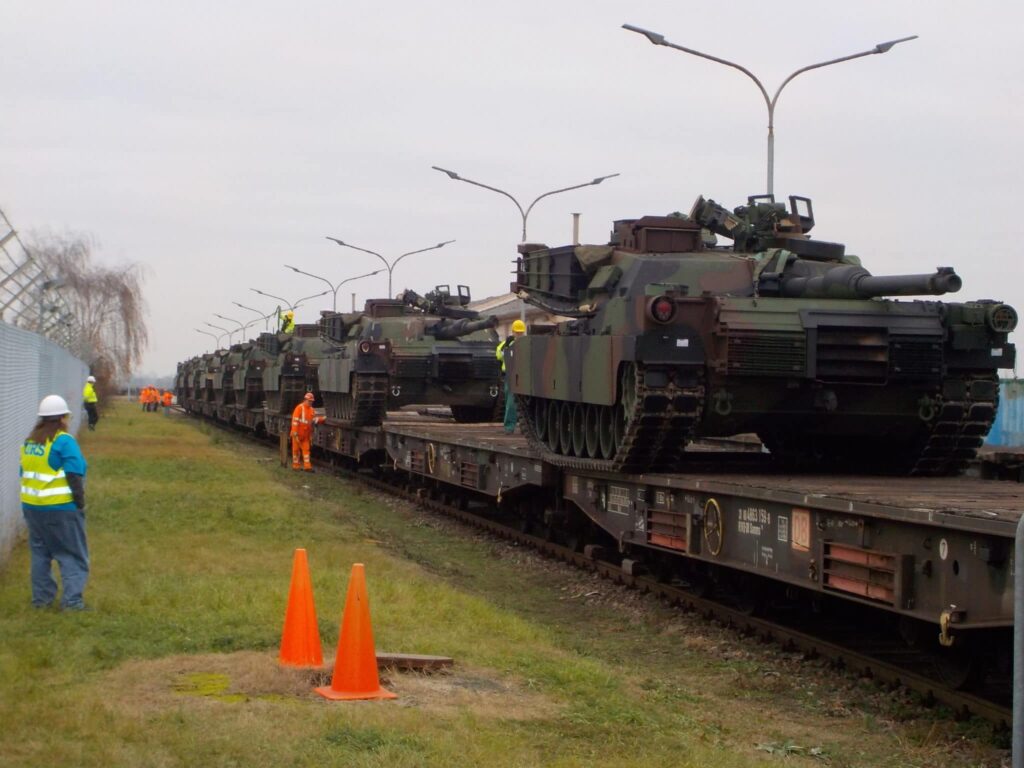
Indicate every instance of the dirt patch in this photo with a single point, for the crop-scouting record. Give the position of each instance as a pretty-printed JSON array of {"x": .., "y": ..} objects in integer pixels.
[{"x": 223, "y": 679}]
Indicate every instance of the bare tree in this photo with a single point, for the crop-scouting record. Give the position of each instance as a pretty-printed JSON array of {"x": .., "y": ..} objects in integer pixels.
[{"x": 107, "y": 303}]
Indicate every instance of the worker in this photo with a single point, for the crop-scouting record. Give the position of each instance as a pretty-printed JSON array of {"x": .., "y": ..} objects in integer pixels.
[
  {"x": 142, "y": 397},
  {"x": 288, "y": 322},
  {"x": 505, "y": 352},
  {"x": 89, "y": 401},
  {"x": 168, "y": 398},
  {"x": 303, "y": 419},
  {"x": 53, "y": 503},
  {"x": 154, "y": 398}
]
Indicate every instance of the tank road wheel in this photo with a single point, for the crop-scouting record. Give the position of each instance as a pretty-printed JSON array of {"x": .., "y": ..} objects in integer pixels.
[
  {"x": 552, "y": 420},
  {"x": 606, "y": 430},
  {"x": 565, "y": 429},
  {"x": 579, "y": 426},
  {"x": 540, "y": 417},
  {"x": 592, "y": 421}
]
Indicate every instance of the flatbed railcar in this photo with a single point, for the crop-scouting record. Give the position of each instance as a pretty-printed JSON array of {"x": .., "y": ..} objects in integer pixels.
[{"x": 933, "y": 554}]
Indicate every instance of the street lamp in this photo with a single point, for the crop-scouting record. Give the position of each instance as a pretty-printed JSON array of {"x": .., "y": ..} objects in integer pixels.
[
  {"x": 524, "y": 213},
  {"x": 391, "y": 266},
  {"x": 214, "y": 336},
  {"x": 287, "y": 303},
  {"x": 231, "y": 334},
  {"x": 241, "y": 328},
  {"x": 264, "y": 317},
  {"x": 334, "y": 287},
  {"x": 658, "y": 39}
]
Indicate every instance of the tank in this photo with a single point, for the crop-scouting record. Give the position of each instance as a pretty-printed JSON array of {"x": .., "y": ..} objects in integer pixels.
[
  {"x": 288, "y": 364},
  {"x": 415, "y": 350},
  {"x": 671, "y": 337}
]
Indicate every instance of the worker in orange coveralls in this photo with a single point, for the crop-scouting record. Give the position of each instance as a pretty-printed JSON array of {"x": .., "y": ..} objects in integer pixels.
[
  {"x": 167, "y": 399},
  {"x": 303, "y": 419}
]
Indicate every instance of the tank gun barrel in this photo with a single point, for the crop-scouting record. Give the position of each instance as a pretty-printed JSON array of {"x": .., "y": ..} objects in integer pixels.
[
  {"x": 446, "y": 330},
  {"x": 850, "y": 282}
]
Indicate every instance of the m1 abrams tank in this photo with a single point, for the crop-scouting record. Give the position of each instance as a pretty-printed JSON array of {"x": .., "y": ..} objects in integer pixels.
[
  {"x": 289, "y": 363},
  {"x": 673, "y": 338},
  {"x": 416, "y": 350}
]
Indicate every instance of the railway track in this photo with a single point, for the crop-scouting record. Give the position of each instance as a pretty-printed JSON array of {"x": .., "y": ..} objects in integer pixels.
[{"x": 902, "y": 668}]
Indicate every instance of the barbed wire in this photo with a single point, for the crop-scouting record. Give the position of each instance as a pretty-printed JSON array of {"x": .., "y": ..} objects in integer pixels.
[{"x": 30, "y": 298}]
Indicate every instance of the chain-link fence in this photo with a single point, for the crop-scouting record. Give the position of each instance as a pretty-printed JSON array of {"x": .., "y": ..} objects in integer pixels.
[
  {"x": 30, "y": 298},
  {"x": 31, "y": 367}
]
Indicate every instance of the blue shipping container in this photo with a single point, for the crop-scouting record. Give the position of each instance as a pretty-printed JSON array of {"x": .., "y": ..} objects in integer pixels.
[{"x": 1008, "y": 430}]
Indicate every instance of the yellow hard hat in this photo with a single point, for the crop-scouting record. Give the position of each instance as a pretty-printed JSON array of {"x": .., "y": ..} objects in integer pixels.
[
  {"x": 518, "y": 327},
  {"x": 289, "y": 313}
]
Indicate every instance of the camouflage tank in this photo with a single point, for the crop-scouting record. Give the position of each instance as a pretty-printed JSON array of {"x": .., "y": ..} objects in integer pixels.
[
  {"x": 671, "y": 338},
  {"x": 289, "y": 364},
  {"x": 416, "y": 350}
]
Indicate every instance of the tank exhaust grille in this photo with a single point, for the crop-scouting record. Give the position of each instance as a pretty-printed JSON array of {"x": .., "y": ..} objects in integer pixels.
[
  {"x": 762, "y": 354},
  {"x": 852, "y": 354}
]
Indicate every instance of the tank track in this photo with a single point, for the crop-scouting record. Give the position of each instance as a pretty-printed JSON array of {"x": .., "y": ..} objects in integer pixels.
[
  {"x": 959, "y": 426},
  {"x": 662, "y": 422},
  {"x": 370, "y": 398}
]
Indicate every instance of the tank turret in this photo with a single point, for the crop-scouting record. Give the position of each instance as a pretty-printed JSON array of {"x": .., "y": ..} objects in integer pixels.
[{"x": 673, "y": 337}]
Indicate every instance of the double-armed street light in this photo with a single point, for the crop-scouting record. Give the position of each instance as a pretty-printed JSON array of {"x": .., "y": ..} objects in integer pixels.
[
  {"x": 241, "y": 328},
  {"x": 390, "y": 266},
  {"x": 292, "y": 306},
  {"x": 214, "y": 336},
  {"x": 230, "y": 333},
  {"x": 264, "y": 317},
  {"x": 770, "y": 102},
  {"x": 523, "y": 212},
  {"x": 334, "y": 288}
]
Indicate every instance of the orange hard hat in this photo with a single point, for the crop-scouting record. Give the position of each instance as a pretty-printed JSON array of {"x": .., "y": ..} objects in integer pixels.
[{"x": 310, "y": 396}]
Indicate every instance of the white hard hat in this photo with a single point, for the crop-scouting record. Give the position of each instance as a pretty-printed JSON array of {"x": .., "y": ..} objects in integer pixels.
[
  {"x": 91, "y": 379},
  {"x": 53, "y": 405}
]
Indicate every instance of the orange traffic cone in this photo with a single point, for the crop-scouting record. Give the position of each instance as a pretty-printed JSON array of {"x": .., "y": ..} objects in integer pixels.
[
  {"x": 300, "y": 640},
  {"x": 355, "y": 665}
]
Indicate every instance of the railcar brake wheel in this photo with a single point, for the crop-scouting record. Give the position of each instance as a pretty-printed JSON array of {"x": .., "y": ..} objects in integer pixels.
[{"x": 714, "y": 532}]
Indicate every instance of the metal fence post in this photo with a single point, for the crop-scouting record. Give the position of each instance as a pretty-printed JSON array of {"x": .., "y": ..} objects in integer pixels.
[{"x": 1018, "y": 647}]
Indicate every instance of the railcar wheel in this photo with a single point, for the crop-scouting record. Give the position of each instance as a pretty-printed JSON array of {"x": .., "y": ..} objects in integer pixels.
[
  {"x": 552, "y": 420},
  {"x": 606, "y": 430},
  {"x": 592, "y": 428},
  {"x": 565, "y": 428},
  {"x": 579, "y": 431}
]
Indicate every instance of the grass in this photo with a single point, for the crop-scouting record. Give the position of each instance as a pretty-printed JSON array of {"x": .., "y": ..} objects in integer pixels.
[{"x": 191, "y": 535}]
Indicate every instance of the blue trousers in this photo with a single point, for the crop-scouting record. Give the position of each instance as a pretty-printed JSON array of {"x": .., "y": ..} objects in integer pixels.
[{"x": 57, "y": 535}]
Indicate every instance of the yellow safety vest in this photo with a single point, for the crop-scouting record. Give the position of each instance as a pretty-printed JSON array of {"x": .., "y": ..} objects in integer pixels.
[
  {"x": 89, "y": 393},
  {"x": 287, "y": 325},
  {"x": 41, "y": 486},
  {"x": 500, "y": 351}
]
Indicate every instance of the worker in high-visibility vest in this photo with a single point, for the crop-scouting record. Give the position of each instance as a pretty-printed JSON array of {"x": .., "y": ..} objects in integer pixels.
[
  {"x": 505, "y": 352},
  {"x": 90, "y": 400},
  {"x": 53, "y": 503},
  {"x": 142, "y": 396},
  {"x": 288, "y": 322},
  {"x": 303, "y": 419},
  {"x": 167, "y": 399}
]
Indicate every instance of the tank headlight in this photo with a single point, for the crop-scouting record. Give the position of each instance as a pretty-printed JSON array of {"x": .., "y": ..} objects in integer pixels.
[
  {"x": 364, "y": 347},
  {"x": 661, "y": 309},
  {"x": 1002, "y": 318}
]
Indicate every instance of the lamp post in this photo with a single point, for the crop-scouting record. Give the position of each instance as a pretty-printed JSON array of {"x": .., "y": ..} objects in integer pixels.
[
  {"x": 241, "y": 328},
  {"x": 523, "y": 212},
  {"x": 334, "y": 288},
  {"x": 658, "y": 39},
  {"x": 264, "y": 317},
  {"x": 391, "y": 266},
  {"x": 230, "y": 333},
  {"x": 214, "y": 336}
]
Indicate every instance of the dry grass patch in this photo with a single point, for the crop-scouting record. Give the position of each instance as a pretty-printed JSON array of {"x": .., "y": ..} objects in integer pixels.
[{"x": 200, "y": 681}]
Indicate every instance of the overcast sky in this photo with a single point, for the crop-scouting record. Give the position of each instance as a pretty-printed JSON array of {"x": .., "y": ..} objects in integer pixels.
[{"x": 215, "y": 142}]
